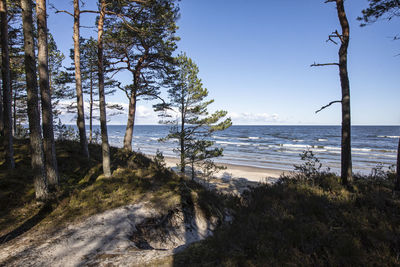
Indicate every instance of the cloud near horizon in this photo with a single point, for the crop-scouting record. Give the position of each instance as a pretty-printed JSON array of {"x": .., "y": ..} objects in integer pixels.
[
  {"x": 146, "y": 115},
  {"x": 254, "y": 118}
]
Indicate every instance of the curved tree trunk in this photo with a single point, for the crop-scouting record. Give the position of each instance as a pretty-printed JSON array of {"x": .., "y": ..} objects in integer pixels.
[
  {"x": 130, "y": 123},
  {"x": 78, "y": 80},
  {"x": 346, "y": 163},
  {"x": 6, "y": 83},
  {"x": 103, "y": 118},
  {"x": 36, "y": 146},
  {"x": 47, "y": 113}
]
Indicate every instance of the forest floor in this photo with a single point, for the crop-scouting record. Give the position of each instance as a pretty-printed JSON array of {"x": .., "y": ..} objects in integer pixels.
[{"x": 146, "y": 215}]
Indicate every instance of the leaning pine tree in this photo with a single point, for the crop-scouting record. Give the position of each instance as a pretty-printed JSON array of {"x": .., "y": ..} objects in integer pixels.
[{"x": 193, "y": 125}]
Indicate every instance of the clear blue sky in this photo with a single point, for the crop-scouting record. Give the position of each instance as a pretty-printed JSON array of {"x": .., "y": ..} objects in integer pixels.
[{"x": 254, "y": 57}]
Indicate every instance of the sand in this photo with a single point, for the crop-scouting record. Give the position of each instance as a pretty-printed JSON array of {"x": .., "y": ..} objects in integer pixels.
[{"x": 232, "y": 171}]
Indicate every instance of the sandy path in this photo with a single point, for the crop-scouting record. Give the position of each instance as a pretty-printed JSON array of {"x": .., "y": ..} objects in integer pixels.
[{"x": 106, "y": 240}]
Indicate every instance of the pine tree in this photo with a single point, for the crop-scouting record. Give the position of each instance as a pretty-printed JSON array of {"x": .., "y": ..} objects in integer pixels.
[
  {"x": 89, "y": 69},
  {"x": 78, "y": 82},
  {"x": 47, "y": 113},
  {"x": 193, "y": 125},
  {"x": 59, "y": 79},
  {"x": 344, "y": 39},
  {"x": 142, "y": 43},
  {"x": 36, "y": 145},
  {"x": 103, "y": 117},
  {"x": 6, "y": 84}
]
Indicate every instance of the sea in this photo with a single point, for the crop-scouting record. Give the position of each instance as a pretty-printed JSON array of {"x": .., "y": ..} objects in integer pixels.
[{"x": 279, "y": 147}]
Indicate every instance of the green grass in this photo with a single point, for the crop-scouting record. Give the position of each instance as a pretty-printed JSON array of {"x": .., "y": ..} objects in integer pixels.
[{"x": 303, "y": 223}]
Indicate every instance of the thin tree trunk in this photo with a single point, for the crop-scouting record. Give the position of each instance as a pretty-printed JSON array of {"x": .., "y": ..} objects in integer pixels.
[
  {"x": 5, "y": 69},
  {"x": 397, "y": 185},
  {"x": 182, "y": 137},
  {"x": 38, "y": 164},
  {"x": 15, "y": 112},
  {"x": 131, "y": 122},
  {"x": 346, "y": 163},
  {"x": 103, "y": 118},
  {"x": 47, "y": 113},
  {"x": 1, "y": 114},
  {"x": 78, "y": 79},
  {"x": 91, "y": 105}
]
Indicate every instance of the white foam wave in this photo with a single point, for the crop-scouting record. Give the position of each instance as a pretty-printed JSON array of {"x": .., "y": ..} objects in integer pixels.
[
  {"x": 220, "y": 137},
  {"x": 388, "y": 136},
  {"x": 231, "y": 143},
  {"x": 322, "y": 140},
  {"x": 295, "y": 146}
]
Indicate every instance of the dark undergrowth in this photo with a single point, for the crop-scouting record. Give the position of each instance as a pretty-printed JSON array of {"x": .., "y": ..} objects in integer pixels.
[
  {"x": 308, "y": 222},
  {"x": 84, "y": 191}
]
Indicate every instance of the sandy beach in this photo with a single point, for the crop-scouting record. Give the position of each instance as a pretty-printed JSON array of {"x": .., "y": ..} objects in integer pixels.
[{"x": 232, "y": 171}]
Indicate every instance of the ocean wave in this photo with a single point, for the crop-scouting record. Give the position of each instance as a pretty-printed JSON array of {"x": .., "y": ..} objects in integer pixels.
[
  {"x": 220, "y": 137},
  {"x": 388, "y": 136},
  {"x": 253, "y": 138},
  {"x": 298, "y": 140},
  {"x": 295, "y": 146},
  {"x": 322, "y": 140},
  {"x": 231, "y": 143},
  {"x": 333, "y": 147}
]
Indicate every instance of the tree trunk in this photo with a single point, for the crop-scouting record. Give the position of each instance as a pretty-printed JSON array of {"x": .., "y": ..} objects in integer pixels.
[
  {"x": 1, "y": 114},
  {"x": 78, "y": 79},
  {"x": 91, "y": 105},
  {"x": 47, "y": 113},
  {"x": 131, "y": 122},
  {"x": 103, "y": 118},
  {"x": 36, "y": 146},
  {"x": 397, "y": 185},
  {"x": 15, "y": 112},
  {"x": 132, "y": 102},
  {"x": 5, "y": 71},
  {"x": 182, "y": 137},
  {"x": 346, "y": 164}
]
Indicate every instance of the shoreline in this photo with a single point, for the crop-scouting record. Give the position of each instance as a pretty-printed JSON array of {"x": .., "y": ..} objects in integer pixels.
[{"x": 237, "y": 172}]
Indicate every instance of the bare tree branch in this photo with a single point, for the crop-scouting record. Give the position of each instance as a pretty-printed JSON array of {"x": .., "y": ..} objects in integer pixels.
[
  {"x": 324, "y": 107},
  {"x": 323, "y": 64}
]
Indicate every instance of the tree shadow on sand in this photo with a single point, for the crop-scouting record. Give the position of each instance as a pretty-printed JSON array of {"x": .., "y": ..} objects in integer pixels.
[{"x": 45, "y": 210}]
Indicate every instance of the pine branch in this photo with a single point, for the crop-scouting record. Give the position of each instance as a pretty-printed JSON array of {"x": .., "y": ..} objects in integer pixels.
[{"x": 324, "y": 107}]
